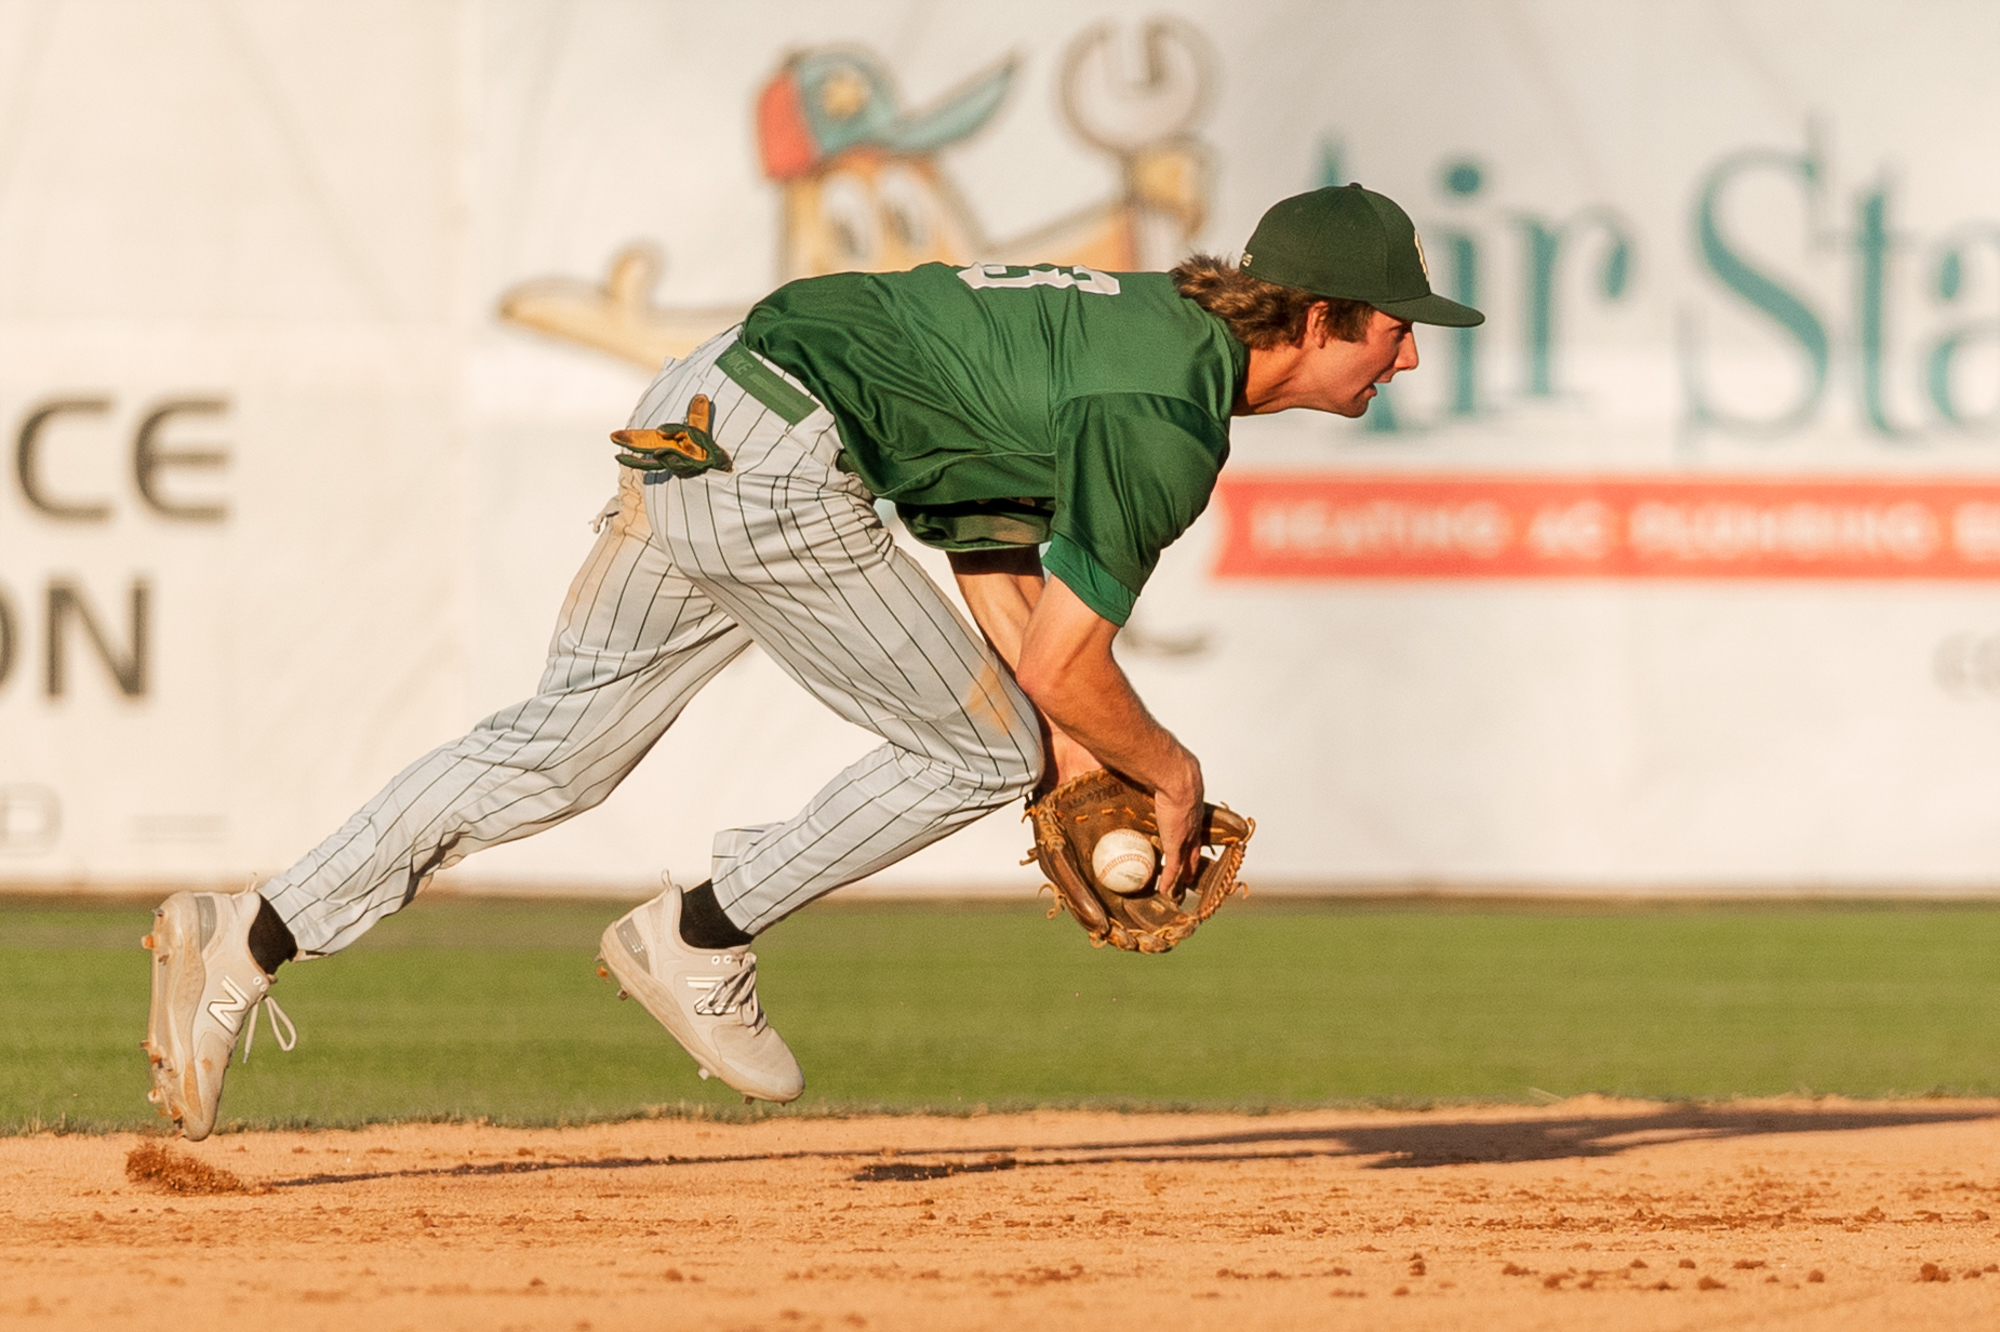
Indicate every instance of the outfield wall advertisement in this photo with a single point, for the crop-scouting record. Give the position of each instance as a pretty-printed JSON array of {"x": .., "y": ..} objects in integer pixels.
[{"x": 1681, "y": 573}]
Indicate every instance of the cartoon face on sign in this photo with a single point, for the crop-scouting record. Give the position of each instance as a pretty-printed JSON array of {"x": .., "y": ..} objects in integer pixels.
[
  {"x": 862, "y": 187},
  {"x": 871, "y": 213},
  {"x": 860, "y": 181}
]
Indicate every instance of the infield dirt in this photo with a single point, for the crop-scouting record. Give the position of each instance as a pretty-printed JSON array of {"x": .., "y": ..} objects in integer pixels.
[{"x": 1587, "y": 1213}]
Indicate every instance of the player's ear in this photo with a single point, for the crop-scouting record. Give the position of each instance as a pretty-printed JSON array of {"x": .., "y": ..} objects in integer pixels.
[{"x": 1317, "y": 331}]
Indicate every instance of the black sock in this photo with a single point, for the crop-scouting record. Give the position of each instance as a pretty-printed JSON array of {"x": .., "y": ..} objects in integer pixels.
[
  {"x": 704, "y": 924},
  {"x": 271, "y": 942}
]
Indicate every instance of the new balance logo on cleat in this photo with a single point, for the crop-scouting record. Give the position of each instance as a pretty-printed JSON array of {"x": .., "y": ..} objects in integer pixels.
[{"x": 229, "y": 1011}]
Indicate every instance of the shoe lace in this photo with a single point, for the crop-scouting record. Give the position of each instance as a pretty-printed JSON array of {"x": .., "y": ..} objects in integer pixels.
[
  {"x": 736, "y": 992},
  {"x": 287, "y": 1036}
]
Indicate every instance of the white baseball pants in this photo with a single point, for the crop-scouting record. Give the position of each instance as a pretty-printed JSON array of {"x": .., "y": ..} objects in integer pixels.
[{"x": 784, "y": 550}]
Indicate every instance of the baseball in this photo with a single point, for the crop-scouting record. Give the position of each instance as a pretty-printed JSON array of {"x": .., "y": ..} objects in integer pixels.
[{"x": 1123, "y": 861}]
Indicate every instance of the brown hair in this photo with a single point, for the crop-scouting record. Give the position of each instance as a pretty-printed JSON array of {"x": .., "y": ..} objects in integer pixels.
[{"x": 1263, "y": 314}]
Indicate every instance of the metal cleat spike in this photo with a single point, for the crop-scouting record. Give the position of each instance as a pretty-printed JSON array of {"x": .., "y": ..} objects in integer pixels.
[
  {"x": 705, "y": 1074},
  {"x": 623, "y": 995}
]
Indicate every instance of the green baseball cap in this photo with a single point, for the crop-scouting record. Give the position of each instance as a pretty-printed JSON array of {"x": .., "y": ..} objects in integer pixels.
[{"x": 1347, "y": 243}]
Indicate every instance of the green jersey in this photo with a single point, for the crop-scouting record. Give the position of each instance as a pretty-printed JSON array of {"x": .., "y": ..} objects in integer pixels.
[{"x": 1003, "y": 406}]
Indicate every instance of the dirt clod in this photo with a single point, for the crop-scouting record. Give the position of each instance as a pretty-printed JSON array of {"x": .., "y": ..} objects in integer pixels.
[{"x": 157, "y": 1166}]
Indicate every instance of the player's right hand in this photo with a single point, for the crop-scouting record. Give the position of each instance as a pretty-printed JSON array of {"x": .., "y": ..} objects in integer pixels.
[{"x": 1178, "y": 805}]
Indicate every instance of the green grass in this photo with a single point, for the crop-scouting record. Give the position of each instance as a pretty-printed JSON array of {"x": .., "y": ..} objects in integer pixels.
[{"x": 468, "y": 1008}]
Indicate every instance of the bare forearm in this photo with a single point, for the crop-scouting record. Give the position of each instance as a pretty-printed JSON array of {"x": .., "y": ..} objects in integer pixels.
[
  {"x": 1067, "y": 668},
  {"x": 1095, "y": 705},
  {"x": 1001, "y": 588}
]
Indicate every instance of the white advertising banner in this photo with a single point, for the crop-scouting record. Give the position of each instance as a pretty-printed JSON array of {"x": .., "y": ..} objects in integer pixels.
[{"x": 1682, "y": 572}]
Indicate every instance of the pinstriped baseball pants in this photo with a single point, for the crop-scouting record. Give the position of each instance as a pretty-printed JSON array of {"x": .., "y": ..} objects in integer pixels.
[{"x": 785, "y": 551}]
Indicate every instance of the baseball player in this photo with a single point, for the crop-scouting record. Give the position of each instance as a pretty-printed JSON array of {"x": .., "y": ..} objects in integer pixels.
[{"x": 1052, "y": 428}]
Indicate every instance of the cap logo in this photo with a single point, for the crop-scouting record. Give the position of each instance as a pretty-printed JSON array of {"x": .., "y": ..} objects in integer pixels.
[
  {"x": 1247, "y": 256},
  {"x": 1422, "y": 262}
]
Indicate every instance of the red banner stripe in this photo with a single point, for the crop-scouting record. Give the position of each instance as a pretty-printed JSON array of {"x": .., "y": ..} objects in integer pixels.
[{"x": 1315, "y": 525}]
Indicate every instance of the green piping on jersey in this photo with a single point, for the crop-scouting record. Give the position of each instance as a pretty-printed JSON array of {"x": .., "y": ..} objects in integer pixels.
[
  {"x": 1084, "y": 576},
  {"x": 764, "y": 384}
]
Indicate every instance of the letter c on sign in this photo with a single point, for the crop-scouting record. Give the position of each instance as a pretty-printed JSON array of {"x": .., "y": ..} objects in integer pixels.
[{"x": 27, "y": 460}]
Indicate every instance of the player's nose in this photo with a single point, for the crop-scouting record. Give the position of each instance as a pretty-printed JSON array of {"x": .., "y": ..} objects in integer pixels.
[{"x": 1406, "y": 358}]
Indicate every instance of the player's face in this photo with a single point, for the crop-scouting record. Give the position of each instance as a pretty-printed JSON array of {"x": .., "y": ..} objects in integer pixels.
[{"x": 1346, "y": 373}]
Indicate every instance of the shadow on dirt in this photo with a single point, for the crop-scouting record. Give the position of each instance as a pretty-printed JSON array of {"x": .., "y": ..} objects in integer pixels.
[
  {"x": 1450, "y": 1142},
  {"x": 1403, "y": 1146}
]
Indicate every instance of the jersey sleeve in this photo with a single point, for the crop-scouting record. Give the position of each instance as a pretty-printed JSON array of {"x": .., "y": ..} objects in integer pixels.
[{"x": 1133, "y": 472}]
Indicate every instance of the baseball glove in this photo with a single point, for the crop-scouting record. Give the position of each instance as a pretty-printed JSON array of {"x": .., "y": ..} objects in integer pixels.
[
  {"x": 1068, "y": 822},
  {"x": 681, "y": 448}
]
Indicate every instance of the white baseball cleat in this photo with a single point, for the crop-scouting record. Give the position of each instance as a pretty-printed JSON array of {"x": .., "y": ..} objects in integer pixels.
[
  {"x": 206, "y": 991},
  {"x": 705, "y": 998}
]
